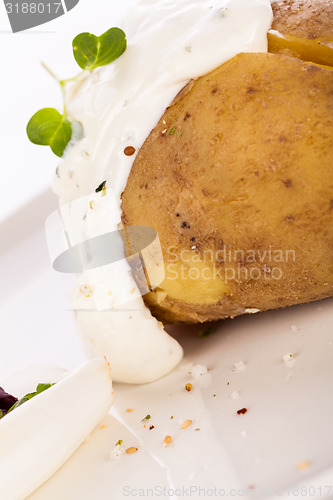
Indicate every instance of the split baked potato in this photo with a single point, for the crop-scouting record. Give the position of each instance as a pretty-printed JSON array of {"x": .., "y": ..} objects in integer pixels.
[{"x": 237, "y": 179}]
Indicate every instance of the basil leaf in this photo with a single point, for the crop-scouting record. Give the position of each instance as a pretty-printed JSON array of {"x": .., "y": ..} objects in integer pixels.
[
  {"x": 91, "y": 51},
  {"x": 48, "y": 127}
]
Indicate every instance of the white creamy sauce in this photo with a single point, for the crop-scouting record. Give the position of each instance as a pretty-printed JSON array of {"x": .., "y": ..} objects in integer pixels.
[{"x": 169, "y": 42}]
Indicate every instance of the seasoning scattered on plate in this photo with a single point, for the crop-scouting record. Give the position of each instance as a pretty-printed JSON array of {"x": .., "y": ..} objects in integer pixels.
[
  {"x": 289, "y": 359},
  {"x": 305, "y": 464},
  {"x": 132, "y": 449},
  {"x": 187, "y": 423},
  {"x": 167, "y": 440},
  {"x": 129, "y": 150},
  {"x": 240, "y": 367}
]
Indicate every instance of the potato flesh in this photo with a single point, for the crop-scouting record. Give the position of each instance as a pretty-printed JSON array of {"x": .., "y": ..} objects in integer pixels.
[
  {"x": 245, "y": 165},
  {"x": 196, "y": 279},
  {"x": 307, "y": 50}
]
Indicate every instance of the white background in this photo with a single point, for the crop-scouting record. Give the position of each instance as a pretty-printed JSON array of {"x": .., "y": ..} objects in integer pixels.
[{"x": 25, "y": 87}]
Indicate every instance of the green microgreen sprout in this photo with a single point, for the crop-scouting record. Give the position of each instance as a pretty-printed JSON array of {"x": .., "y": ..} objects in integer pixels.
[{"x": 48, "y": 127}]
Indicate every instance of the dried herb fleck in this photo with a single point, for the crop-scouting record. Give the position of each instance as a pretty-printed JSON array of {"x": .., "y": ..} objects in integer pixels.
[
  {"x": 100, "y": 187},
  {"x": 206, "y": 332}
]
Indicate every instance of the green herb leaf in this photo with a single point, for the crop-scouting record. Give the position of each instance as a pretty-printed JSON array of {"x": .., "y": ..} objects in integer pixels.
[
  {"x": 22, "y": 400},
  {"x": 147, "y": 417},
  {"x": 40, "y": 388},
  {"x": 119, "y": 442},
  {"x": 100, "y": 187},
  {"x": 206, "y": 332},
  {"x": 91, "y": 51},
  {"x": 48, "y": 127}
]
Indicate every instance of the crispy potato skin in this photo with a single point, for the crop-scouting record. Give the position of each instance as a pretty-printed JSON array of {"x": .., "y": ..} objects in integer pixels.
[
  {"x": 305, "y": 30},
  {"x": 245, "y": 165}
]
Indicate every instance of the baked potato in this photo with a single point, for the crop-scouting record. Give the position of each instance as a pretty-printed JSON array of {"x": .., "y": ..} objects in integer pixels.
[{"x": 237, "y": 179}]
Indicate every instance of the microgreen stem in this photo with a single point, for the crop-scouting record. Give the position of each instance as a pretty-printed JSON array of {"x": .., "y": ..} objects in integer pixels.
[
  {"x": 68, "y": 80},
  {"x": 62, "y": 83},
  {"x": 49, "y": 71}
]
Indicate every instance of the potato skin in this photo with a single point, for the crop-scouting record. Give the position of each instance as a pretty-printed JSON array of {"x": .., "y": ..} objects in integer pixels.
[
  {"x": 241, "y": 162},
  {"x": 311, "y": 19},
  {"x": 305, "y": 30}
]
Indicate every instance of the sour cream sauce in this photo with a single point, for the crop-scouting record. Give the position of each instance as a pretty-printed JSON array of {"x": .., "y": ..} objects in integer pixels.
[{"x": 169, "y": 43}]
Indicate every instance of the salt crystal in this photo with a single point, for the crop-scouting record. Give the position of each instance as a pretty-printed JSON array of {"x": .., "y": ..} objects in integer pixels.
[
  {"x": 116, "y": 452},
  {"x": 252, "y": 310},
  {"x": 198, "y": 370},
  {"x": 289, "y": 359},
  {"x": 240, "y": 367},
  {"x": 235, "y": 395}
]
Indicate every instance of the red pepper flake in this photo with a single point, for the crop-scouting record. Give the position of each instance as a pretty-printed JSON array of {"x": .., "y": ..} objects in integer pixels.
[
  {"x": 129, "y": 150},
  {"x": 242, "y": 411},
  {"x": 151, "y": 427}
]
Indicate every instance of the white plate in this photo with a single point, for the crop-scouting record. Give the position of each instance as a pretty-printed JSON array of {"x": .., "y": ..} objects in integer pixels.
[{"x": 288, "y": 425}]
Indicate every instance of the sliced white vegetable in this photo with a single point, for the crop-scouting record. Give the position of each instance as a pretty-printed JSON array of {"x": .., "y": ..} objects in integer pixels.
[{"x": 39, "y": 436}]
